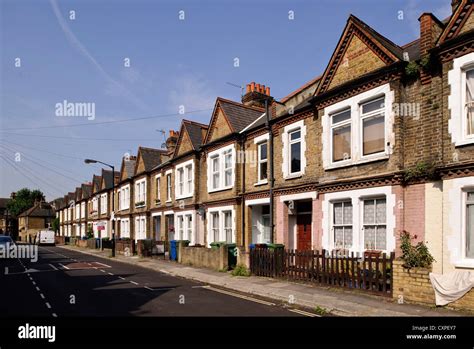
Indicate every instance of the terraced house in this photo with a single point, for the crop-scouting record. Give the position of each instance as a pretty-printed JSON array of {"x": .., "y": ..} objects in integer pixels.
[{"x": 382, "y": 141}]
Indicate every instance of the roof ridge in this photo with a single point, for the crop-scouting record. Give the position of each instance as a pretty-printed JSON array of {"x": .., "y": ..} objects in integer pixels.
[
  {"x": 240, "y": 104},
  {"x": 295, "y": 92},
  {"x": 195, "y": 122}
]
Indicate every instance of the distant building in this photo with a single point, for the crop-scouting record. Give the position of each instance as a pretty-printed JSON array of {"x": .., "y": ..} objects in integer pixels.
[
  {"x": 4, "y": 217},
  {"x": 36, "y": 218}
]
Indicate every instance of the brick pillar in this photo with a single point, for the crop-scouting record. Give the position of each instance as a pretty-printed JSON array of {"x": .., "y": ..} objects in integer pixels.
[{"x": 426, "y": 42}]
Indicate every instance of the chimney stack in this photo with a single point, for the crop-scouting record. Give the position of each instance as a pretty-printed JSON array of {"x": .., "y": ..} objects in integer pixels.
[
  {"x": 430, "y": 30},
  {"x": 454, "y": 4},
  {"x": 256, "y": 94},
  {"x": 172, "y": 141}
]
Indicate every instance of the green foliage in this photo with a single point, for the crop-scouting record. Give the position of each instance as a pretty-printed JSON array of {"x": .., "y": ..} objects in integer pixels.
[
  {"x": 421, "y": 170},
  {"x": 55, "y": 224},
  {"x": 240, "y": 270},
  {"x": 320, "y": 310},
  {"x": 414, "y": 256},
  {"x": 412, "y": 69},
  {"x": 90, "y": 233},
  {"x": 425, "y": 63},
  {"x": 24, "y": 199}
]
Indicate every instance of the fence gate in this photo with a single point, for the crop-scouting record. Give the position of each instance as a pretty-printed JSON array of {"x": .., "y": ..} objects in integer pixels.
[{"x": 370, "y": 273}]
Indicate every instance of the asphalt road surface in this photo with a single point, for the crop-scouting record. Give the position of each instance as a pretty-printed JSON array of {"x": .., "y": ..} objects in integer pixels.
[{"x": 64, "y": 283}]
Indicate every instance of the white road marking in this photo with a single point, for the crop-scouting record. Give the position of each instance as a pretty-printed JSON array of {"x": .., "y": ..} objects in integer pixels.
[
  {"x": 206, "y": 286},
  {"x": 159, "y": 288},
  {"x": 48, "y": 305},
  {"x": 38, "y": 289},
  {"x": 165, "y": 272},
  {"x": 105, "y": 265},
  {"x": 305, "y": 313},
  {"x": 42, "y": 295},
  {"x": 120, "y": 277},
  {"x": 240, "y": 296},
  {"x": 149, "y": 288},
  {"x": 52, "y": 266},
  {"x": 54, "y": 315},
  {"x": 62, "y": 265},
  {"x": 102, "y": 270},
  {"x": 110, "y": 273},
  {"x": 6, "y": 270},
  {"x": 34, "y": 283},
  {"x": 133, "y": 282}
]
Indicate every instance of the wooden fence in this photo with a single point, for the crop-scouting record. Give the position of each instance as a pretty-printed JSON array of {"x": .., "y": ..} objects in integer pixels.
[{"x": 371, "y": 273}]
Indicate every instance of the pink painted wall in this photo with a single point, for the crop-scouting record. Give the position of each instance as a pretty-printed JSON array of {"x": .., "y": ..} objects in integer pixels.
[
  {"x": 318, "y": 222},
  {"x": 281, "y": 234},
  {"x": 409, "y": 212}
]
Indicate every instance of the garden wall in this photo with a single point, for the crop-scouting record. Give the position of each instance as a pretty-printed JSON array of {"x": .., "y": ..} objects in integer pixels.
[
  {"x": 203, "y": 257},
  {"x": 414, "y": 286}
]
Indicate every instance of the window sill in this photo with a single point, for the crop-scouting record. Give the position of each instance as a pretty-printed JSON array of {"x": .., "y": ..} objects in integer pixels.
[
  {"x": 261, "y": 183},
  {"x": 463, "y": 142},
  {"x": 184, "y": 197},
  {"x": 294, "y": 175},
  {"x": 466, "y": 263},
  {"x": 168, "y": 201},
  {"x": 219, "y": 189},
  {"x": 358, "y": 162}
]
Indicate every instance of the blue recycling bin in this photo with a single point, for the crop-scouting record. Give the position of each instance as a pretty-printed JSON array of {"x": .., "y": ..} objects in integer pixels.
[{"x": 174, "y": 250}]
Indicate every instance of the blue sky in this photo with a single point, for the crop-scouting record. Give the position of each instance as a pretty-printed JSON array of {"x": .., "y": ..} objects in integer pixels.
[{"x": 173, "y": 62}]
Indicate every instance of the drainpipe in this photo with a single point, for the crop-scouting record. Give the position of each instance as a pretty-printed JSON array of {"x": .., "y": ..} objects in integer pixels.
[
  {"x": 272, "y": 177},
  {"x": 242, "y": 176}
]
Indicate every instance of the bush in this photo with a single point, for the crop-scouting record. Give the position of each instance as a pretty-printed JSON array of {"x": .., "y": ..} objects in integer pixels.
[
  {"x": 414, "y": 256},
  {"x": 240, "y": 270}
]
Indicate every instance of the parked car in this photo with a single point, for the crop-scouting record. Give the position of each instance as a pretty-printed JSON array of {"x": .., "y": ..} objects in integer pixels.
[
  {"x": 45, "y": 237},
  {"x": 6, "y": 242}
]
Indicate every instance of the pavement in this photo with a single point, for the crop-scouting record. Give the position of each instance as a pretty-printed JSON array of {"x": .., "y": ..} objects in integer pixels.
[
  {"x": 314, "y": 299},
  {"x": 66, "y": 282}
]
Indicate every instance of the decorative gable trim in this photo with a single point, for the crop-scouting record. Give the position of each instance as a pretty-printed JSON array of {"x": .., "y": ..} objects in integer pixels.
[
  {"x": 460, "y": 16},
  {"x": 353, "y": 28},
  {"x": 212, "y": 123}
]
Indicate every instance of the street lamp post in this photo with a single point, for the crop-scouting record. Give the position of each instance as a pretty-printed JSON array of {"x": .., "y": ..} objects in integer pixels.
[{"x": 91, "y": 161}]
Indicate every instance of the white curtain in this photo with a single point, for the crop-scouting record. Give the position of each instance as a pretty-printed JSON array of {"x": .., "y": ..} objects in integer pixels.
[{"x": 470, "y": 101}]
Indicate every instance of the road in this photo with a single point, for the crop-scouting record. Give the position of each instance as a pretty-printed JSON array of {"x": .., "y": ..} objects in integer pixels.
[{"x": 64, "y": 283}]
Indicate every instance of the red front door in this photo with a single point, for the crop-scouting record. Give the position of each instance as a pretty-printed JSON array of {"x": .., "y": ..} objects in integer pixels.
[{"x": 303, "y": 232}]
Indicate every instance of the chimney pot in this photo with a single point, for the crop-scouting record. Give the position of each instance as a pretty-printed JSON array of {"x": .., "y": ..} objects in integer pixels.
[
  {"x": 267, "y": 91},
  {"x": 248, "y": 88},
  {"x": 258, "y": 87},
  {"x": 252, "y": 86}
]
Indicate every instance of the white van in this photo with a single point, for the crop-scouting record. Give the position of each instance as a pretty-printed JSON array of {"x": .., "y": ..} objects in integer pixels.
[{"x": 45, "y": 237}]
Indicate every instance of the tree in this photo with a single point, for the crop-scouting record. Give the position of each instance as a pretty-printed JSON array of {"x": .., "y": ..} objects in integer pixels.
[
  {"x": 24, "y": 199},
  {"x": 55, "y": 224}
]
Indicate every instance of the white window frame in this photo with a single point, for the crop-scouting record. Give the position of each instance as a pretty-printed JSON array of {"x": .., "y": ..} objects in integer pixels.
[
  {"x": 220, "y": 155},
  {"x": 169, "y": 186},
  {"x": 375, "y": 224},
  {"x": 342, "y": 225},
  {"x": 125, "y": 228},
  {"x": 354, "y": 103},
  {"x": 140, "y": 192},
  {"x": 103, "y": 203},
  {"x": 78, "y": 211},
  {"x": 183, "y": 230},
  {"x": 140, "y": 227},
  {"x": 364, "y": 116},
  {"x": 457, "y": 124},
  {"x": 158, "y": 188},
  {"x": 286, "y": 150},
  {"x": 356, "y": 197},
  {"x": 83, "y": 209},
  {"x": 220, "y": 212},
  {"x": 338, "y": 125},
  {"x": 184, "y": 179},
  {"x": 465, "y": 203},
  {"x": 260, "y": 162},
  {"x": 124, "y": 197}
]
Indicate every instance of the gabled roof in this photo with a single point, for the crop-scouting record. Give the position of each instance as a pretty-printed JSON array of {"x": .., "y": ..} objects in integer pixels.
[
  {"x": 108, "y": 179},
  {"x": 86, "y": 191},
  {"x": 96, "y": 180},
  {"x": 301, "y": 89},
  {"x": 455, "y": 23},
  {"x": 195, "y": 131},
  {"x": 386, "y": 50},
  {"x": 4, "y": 202},
  {"x": 40, "y": 209},
  {"x": 78, "y": 194},
  {"x": 238, "y": 116},
  {"x": 151, "y": 158}
]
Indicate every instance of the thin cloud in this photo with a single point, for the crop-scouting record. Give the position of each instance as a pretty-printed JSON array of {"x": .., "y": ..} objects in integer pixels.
[{"x": 77, "y": 44}]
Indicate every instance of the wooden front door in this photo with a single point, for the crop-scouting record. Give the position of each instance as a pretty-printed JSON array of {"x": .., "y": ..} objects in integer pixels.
[{"x": 303, "y": 232}]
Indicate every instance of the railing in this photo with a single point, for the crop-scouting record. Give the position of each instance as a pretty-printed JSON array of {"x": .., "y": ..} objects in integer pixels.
[{"x": 371, "y": 274}]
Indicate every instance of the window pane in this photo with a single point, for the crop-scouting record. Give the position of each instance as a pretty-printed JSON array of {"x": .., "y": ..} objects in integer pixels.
[
  {"x": 470, "y": 101},
  {"x": 374, "y": 135},
  {"x": 470, "y": 231},
  {"x": 295, "y": 157},
  {"x": 263, "y": 151},
  {"x": 369, "y": 211},
  {"x": 381, "y": 211},
  {"x": 215, "y": 180},
  {"x": 347, "y": 213},
  {"x": 295, "y": 135},
  {"x": 373, "y": 105},
  {"x": 263, "y": 171},
  {"x": 347, "y": 237},
  {"x": 228, "y": 177},
  {"x": 338, "y": 213},
  {"x": 369, "y": 237},
  {"x": 381, "y": 237},
  {"x": 341, "y": 116},
  {"x": 338, "y": 236},
  {"x": 341, "y": 143},
  {"x": 228, "y": 160},
  {"x": 215, "y": 164}
]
